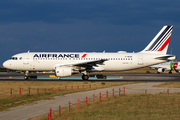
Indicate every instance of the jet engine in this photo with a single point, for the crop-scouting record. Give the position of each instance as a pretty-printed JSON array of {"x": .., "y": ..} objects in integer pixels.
[
  {"x": 63, "y": 71},
  {"x": 161, "y": 70}
]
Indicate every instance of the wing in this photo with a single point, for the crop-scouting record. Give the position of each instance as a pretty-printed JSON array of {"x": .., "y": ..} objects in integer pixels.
[
  {"x": 85, "y": 65},
  {"x": 90, "y": 64}
]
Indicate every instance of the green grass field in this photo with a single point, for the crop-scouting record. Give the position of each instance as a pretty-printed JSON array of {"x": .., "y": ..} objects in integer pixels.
[
  {"x": 16, "y": 100},
  {"x": 170, "y": 85},
  {"x": 125, "y": 107},
  {"x": 158, "y": 106}
]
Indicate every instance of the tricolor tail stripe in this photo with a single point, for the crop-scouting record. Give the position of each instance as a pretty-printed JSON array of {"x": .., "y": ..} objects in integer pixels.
[
  {"x": 162, "y": 40},
  {"x": 159, "y": 44},
  {"x": 165, "y": 44}
]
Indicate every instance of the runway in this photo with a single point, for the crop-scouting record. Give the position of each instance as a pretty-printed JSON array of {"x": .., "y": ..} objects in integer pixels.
[{"x": 105, "y": 77}]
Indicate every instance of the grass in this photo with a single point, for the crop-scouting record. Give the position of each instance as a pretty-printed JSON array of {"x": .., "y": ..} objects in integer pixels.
[
  {"x": 136, "y": 107},
  {"x": 16, "y": 100},
  {"x": 170, "y": 85}
]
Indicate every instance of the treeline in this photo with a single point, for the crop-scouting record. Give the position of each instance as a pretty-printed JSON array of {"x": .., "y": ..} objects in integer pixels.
[{"x": 3, "y": 70}]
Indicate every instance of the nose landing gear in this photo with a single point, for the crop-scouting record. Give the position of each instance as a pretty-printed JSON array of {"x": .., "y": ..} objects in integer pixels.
[{"x": 26, "y": 75}]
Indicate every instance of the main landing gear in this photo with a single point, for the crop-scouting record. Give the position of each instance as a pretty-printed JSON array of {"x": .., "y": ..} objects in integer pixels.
[{"x": 85, "y": 77}]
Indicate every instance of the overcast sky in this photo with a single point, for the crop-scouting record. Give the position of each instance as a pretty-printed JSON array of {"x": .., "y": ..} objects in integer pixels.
[{"x": 85, "y": 25}]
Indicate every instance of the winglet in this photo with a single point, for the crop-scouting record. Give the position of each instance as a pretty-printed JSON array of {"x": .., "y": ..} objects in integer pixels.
[{"x": 160, "y": 42}]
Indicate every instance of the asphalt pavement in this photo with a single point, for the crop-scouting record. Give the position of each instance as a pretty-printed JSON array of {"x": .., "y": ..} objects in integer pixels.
[{"x": 110, "y": 77}]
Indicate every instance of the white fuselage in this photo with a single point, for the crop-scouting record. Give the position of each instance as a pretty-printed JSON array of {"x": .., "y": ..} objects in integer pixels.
[
  {"x": 65, "y": 64},
  {"x": 167, "y": 66},
  {"x": 42, "y": 61}
]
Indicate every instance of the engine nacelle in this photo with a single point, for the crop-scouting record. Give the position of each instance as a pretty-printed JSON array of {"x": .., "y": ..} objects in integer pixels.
[
  {"x": 161, "y": 70},
  {"x": 63, "y": 71}
]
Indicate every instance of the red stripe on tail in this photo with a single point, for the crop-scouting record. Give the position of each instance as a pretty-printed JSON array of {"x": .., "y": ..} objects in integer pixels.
[{"x": 165, "y": 44}]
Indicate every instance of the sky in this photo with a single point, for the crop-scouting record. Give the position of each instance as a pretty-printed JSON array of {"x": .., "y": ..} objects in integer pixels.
[{"x": 85, "y": 25}]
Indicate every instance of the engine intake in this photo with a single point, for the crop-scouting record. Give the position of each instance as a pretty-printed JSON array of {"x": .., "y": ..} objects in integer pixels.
[
  {"x": 63, "y": 71},
  {"x": 161, "y": 70}
]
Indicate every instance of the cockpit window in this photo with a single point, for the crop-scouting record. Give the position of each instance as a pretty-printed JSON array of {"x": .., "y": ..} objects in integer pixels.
[
  {"x": 20, "y": 58},
  {"x": 14, "y": 58}
]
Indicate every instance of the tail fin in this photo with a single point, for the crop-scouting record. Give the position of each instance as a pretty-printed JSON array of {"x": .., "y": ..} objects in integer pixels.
[{"x": 160, "y": 42}]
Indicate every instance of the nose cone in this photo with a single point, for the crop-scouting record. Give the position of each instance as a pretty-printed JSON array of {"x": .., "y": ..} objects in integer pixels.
[{"x": 6, "y": 64}]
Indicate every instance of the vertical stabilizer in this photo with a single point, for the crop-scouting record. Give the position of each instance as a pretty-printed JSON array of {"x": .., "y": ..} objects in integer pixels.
[{"x": 160, "y": 42}]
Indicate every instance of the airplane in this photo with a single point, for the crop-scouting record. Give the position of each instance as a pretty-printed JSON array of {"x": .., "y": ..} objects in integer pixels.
[
  {"x": 162, "y": 67},
  {"x": 68, "y": 63}
]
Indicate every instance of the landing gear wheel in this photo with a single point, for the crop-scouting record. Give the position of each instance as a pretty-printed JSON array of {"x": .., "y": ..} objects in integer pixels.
[
  {"x": 170, "y": 72},
  {"x": 85, "y": 77},
  {"x": 25, "y": 77},
  {"x": 158, "y": 72}
]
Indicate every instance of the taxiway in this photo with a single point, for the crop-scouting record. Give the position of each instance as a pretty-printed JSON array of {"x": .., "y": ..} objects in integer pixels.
[{"x": 105, "y": 77}]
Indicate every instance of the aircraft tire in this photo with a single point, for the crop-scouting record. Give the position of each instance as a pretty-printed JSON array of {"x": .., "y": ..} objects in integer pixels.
[
  {"x": 25, "y": 77},
  {"x": 85, "y": 77}
]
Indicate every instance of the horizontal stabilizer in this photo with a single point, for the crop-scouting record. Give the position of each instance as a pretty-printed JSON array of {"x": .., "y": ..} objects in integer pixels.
[{"x": 167, "y": 57}]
